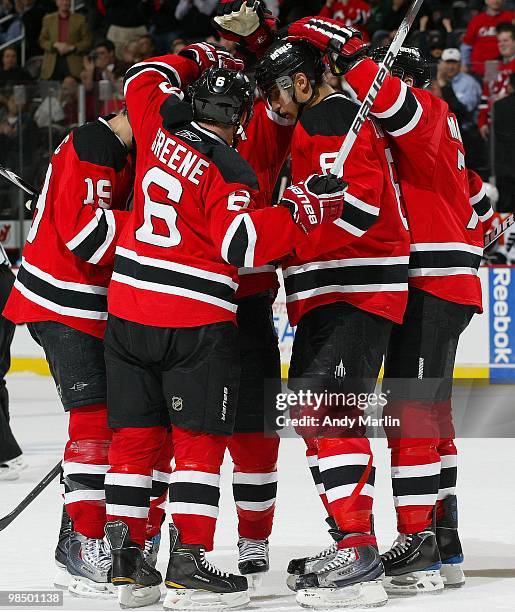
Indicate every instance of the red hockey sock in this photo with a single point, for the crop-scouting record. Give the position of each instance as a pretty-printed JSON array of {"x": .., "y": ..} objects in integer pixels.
[
  {"x": 84, "y": 467},
  {"x": 254, "y": 482},
  {"x": 133, "y": 454},
  {"x": 195, "y": 488},
  {"x": 160, "y": 484}
]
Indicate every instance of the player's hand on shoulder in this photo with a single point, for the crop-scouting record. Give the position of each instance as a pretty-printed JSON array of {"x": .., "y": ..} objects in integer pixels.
[
  {"x": 208, "y": 55},
  {"x": 248, "y": 22},
  {"x": 318, "y": 199},
  {"x": 343, "y": 44}
]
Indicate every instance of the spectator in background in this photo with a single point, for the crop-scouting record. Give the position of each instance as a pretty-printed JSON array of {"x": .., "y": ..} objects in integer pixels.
[
  {"x": 146, "y": 48},
  {"x": 163, "y": 25},
  {"x": 390, "y": 19},
  {"x": 480, "y": 40},
  {"x": 193, "y": 18},
  {"x": 59, "y": 110},
  {"x": 10, "y": 29},
  {"x": 64, "y": 38},
  {"x": 497, "y": 89},
  {"x": 32, "y": 13},
  {"x": 13, "y": 122},
  {"x": 102, "y": 64},
  {"x": 130, "y": 52},
  {"x": 355, "y": 13},
  {"x": 11, "y": 73},
  {"x": 504, "y": 143},
  {"x": 462, "y": 93},
  {"x": 126, "y": 19},
  {"x": 177, "y": 45},
  {"x": 432, "y": 43}
]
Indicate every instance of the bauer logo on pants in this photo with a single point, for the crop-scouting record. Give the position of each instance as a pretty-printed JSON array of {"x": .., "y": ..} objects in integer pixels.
[{"x": 502, "y": 326}]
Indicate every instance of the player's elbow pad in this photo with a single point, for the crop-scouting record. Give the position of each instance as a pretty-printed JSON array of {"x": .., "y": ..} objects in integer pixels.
[{"x": 239, "y": 242}]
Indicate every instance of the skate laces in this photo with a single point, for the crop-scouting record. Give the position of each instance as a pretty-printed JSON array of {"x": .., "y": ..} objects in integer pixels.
[
  {"x": 400, "y": 546},
  {"x": 96, "y": 553},
  {"x": 327, "y": 552},
  {"x": 250, "y": 550},
  {"x": 210, "y": 567},
  {"x": 343, "y": 556}
]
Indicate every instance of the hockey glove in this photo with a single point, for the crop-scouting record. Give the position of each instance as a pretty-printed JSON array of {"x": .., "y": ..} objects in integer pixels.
[
  {"x": 247, "y": 22},
  {"x": 318, "y": 199},
  {"x": 342, "y": 44},
  {"x": 207, "y": 55}
]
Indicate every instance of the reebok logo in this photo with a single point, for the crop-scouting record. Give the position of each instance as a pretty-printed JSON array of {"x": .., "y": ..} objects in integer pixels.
[{"x": 501, "y": 319}]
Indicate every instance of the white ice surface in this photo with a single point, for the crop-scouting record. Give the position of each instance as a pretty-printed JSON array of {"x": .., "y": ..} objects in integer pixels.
[{"x": 486, "y": 495}]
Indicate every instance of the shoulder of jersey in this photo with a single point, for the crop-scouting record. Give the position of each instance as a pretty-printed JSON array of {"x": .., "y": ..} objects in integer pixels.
[
  {"x": 231, "y": 165},
  {"x": 97, "y": 144},
  {"x": 331, "y": 117}
]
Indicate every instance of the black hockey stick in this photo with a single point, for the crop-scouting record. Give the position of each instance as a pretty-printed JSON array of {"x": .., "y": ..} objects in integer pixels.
[
  {"x": 9, "y": 518},
  {"x": 19, "y": 182}
]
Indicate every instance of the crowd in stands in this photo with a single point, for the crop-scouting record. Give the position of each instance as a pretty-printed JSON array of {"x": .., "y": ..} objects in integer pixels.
[{"x": 470, "y": 46}]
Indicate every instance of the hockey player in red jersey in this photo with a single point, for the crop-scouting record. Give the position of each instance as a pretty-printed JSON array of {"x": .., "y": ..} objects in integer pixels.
[
  {"x": 344, "y": 297},
  {"x": 61, "y": 293},
  {"x": 444, "y": 210},
  {"x": 171, "y": 346}
]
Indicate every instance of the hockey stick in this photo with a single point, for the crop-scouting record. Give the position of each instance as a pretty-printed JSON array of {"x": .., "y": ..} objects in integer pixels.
[
  {"x": 9, "y": 518},
  {"x": 496, "y": 232},
  {"x": 19, "y": 182},
  {"x": 366, "y": 105}
]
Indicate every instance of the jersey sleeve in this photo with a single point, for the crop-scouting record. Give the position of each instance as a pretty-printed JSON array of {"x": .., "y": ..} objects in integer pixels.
[
  {"x": 478, "y": 199},
  {"x": 247, "y": 238},
  {"x": 89, "y": 231},
  {"x": 148, "y": 84}
]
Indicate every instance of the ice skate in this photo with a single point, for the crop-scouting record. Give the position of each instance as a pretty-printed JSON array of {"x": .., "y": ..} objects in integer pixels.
[
  {"x": 10, "y": 470},
  {"x": 88, "y": 563},
  {"x": 449, "y": 545},
  {"x": 413, "y": 565},
  {"x": 193, "y": 583},
  {"x": 351, "y": 579},
  {"x": 306, "y": 565},
  {"x": 63, "y": 577},
  {"x": 253, "y": 561},
  {"x": 137, "y": 581}
]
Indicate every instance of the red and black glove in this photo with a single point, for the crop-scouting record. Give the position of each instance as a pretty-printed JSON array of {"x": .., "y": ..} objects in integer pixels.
[
  {"x": 343, "y": 44},
  {"x": 318, "y": 199},
  {"x": 207, "y": 55},
  {"x": 247, "y": 22}
]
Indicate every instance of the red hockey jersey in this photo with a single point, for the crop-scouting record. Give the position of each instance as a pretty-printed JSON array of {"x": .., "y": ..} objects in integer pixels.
[
  {"x": 355, "y": 13},
  {"x": 478, "y": 199},
  {"x": 365, "y": 255},
  {"x": 482, "y": 37},
  {"x": 177, "y": 259},
  {"x": 446, "y": 246},
  {"x": 265, "y": 145},
  {"x": 494, "y": 90},
  {"x": 67, "y": 260}
]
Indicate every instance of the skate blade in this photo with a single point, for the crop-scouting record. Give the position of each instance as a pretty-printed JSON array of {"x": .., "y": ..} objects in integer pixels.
[
  {"x": 255, "y": 582},
  {"x": 62, "y": 579},
  {"x": 195, "y": 599},
  {"x": 409, "y": 585},
  {"x": 131, "y": 596},
  {"x": 370, "y": 594},
  {"x": 452, "y": 575},
  {"x": 83, "y": 587}
]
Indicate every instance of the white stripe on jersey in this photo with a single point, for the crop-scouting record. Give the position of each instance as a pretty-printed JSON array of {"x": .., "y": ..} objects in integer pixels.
[
  {"x": 410, "y": 125},
  {"x": 446, "y": 246},
  {"x": 72, "y": 286},
  {"x": 304, "y": 295},
  {"x": 339, "y": 263}
]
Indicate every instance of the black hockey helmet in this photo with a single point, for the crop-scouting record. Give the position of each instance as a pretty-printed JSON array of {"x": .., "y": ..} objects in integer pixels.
[
  {"x": 282, "y": 61},
  {"x": 222, "y": 96},
  {"x": 409, "y": 62}
]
